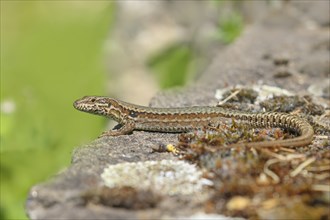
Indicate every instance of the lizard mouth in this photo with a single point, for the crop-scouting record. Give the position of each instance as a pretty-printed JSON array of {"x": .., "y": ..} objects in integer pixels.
[
  {"x": 76, "y": 104},
  {"x": 79, "y": 106}
]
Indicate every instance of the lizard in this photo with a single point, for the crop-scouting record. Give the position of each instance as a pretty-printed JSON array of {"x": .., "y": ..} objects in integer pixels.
[{"x": 132, "y": 117}]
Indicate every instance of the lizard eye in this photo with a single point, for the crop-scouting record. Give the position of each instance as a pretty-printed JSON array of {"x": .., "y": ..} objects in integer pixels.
[
  {"x": 133, "y": 114},
  {"x": 93, "y": 100}
]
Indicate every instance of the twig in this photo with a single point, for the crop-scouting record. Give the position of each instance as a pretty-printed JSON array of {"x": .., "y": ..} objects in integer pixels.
[
  {"x": 302, "y": 166},
  {"x": 229, "y": 97},
  {"x": 269, "y": 172}
]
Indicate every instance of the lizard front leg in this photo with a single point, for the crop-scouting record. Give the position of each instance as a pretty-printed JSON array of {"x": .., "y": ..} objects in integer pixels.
[{"x": 125, "y": 128}]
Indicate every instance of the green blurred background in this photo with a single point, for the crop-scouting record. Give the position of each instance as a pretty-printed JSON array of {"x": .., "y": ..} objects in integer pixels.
[{"x": 51, "y": 54}]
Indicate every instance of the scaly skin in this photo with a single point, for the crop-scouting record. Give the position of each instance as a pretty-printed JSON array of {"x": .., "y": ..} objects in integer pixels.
[{"x": 134, "y": 117}]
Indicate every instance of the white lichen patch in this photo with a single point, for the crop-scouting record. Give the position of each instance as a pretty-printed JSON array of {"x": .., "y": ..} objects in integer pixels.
[
  {"x": 264, "y": 91},
  {"x": 209, "y": 216},
  {"x": 165, "y": 177}
]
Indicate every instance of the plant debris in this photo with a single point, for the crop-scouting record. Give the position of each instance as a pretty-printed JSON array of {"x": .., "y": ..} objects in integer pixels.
[
  {"x": 292, "y": 103},
  {"x": 262, "y": 183},
  {"x": 245, "y": 95}
]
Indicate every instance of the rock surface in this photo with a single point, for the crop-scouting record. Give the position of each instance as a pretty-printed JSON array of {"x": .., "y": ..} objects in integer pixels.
[{"x": 282, "y": 50}]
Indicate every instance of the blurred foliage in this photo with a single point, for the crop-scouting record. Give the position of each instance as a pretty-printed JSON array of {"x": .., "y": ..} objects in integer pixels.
[
  {"x": 172, "y": 66},
  {"x": 230, "y": 27},
  {"x": 51, "y": 54},
  {"x": 175, "y": 65}
]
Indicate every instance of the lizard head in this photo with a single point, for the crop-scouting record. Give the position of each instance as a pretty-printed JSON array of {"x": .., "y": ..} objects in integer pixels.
[{"x": 99, "y": 105}]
